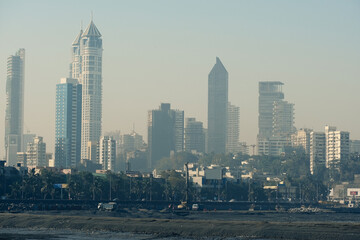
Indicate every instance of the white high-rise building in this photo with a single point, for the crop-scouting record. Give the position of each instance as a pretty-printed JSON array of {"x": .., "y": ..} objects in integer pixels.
[
  {"x": 232, "y": 137},
  {"x": 107, "y": 153},
  {"x": 36, "y": 153},
  {"x": 337, "y": 147},
  {"x": 86, "y": 66},
  {"x": 317, "y": 150},
  {"x": 302, "y": 138}
]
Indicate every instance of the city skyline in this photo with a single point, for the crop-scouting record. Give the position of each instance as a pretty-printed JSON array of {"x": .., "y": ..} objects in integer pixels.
[{"x": 317, "y": 61}]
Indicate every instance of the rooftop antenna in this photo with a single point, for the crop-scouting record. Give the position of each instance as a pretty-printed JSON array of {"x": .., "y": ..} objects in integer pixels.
[
  {"x": 81, "y": 25},
  {"x": 133, "y": 127},
  {"x": 92, "y": 15}
]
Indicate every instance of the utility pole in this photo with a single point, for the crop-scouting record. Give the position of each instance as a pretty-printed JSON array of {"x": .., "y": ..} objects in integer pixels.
[
  {"x": 187, "y": 182},
  {"x": 249, "y": 191},
  {"x": 110, "y": 189},
  {"x": 151, "y": 178}
]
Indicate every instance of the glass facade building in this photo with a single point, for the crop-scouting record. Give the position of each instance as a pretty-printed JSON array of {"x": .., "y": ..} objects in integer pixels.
[{"x": 68, "y": 123}]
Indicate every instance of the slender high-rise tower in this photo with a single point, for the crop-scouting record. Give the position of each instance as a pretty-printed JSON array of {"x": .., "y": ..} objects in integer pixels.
[
  {"x": 68, "y": 123},
  {"x": 14, "y": 114},
  {"x": 217, "y": 108},
  {"x": 232, "y": 142},
  {"x": 86, "y": 66}
]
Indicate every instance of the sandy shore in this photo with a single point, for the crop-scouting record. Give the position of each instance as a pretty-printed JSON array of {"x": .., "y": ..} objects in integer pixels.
[{"x": 193, "y": 228}]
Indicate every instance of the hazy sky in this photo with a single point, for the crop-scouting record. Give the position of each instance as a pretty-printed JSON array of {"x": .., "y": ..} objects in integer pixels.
[{"x": 162, "y": 51}]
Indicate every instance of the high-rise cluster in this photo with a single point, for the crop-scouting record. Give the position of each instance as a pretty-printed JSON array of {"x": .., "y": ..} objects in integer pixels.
[
  {"x": 79, "y": 101},
  {"x": 325, "y": 149}
]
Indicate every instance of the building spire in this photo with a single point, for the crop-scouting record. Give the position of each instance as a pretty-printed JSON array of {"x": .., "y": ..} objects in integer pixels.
[{"x": 92, "y": 15}]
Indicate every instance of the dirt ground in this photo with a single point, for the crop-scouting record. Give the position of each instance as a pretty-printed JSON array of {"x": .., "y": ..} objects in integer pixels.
[{"x": 264, "y": 225}]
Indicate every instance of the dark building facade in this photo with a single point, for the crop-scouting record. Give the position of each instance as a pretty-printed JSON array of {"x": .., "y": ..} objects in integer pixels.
[
  {"x": 164, "y": 131},
  {"x": 217, "y": 108},
  {"x": 194, "y": 136}
]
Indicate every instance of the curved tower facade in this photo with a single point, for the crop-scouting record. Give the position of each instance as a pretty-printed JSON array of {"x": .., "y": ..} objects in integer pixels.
[{"x": 86, "y": 66}]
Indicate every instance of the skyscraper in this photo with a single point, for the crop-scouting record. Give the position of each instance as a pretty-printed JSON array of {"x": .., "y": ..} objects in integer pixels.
[
  {"x": 194, "y": 136},
  {"x": 14, "y": 113},
  {"x": 217, "y": 108},
  {"x": 165, "y": 131},
  {"x": 86, "y": 66},
  {"x": 269, "y": 92},
  {"x": 276, "y": 119},
  {"x": 232, "y": 142},
  {"x": 68, "y": 123},
  {"x": 178, "y": 118}
]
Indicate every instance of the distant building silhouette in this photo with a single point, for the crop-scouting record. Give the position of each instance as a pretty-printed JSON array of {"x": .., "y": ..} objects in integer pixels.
[
  {"x": 269, "y": 92},
  {"x": 354, "y": 146},
  {"x": 14, "y": 113},
  {"x": 217, "y": 108},
  {"x": 132, "y": 142},
  {"x": 276, "y": 119},
  {"x": 317, "y": 151},
  {"x": 301, "y": 138},
  {"x": 68, "y": 123},
  {"x": 194, "y": 136},
  {"x": 232, "y": 139},
  {"x": 165, "y": 132},
  {"x": 27, "y": 138}
]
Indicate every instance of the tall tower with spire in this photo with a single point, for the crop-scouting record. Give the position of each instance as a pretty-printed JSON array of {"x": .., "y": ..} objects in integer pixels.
[
  {"x": 86, "y": 66},
  {"x": 217, "y": 108}
]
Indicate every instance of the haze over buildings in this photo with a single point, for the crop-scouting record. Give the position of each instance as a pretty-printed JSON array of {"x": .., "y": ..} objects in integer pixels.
[{"x": 146, "y": 63}]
